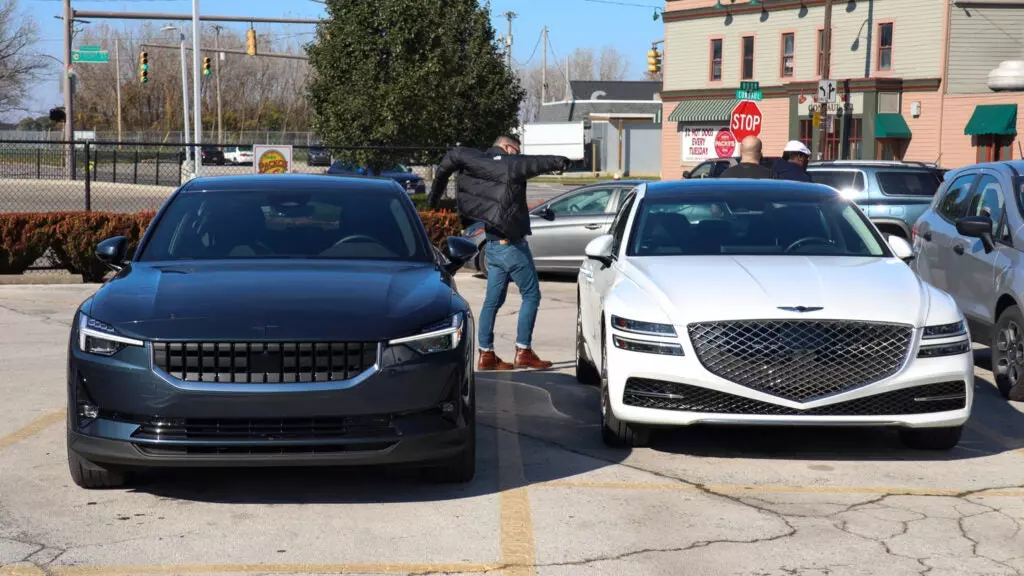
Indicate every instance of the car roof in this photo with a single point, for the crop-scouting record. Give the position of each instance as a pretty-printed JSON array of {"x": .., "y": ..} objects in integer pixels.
[
  {"x": 679, "y": 188},
  {"x": 289, "y": 182},
  {"x": 911, "y": 165}
]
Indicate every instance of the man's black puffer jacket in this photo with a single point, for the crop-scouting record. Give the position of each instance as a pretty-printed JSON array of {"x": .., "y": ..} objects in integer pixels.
[{"x": 492, "y": 186}]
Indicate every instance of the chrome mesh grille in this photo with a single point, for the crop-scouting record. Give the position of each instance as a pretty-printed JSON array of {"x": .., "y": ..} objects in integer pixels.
[{"x": 801, "y": 360}]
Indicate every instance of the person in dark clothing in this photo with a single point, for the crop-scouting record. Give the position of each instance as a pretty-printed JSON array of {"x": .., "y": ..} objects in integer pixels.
[
  {"x": 793, "y": 165},
  {"x": 491, "y": 188},
  {"x": 750, "y": 161}
]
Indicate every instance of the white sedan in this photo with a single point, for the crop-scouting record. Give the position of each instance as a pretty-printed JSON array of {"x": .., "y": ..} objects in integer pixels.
[{"x": 765, "y": 302}]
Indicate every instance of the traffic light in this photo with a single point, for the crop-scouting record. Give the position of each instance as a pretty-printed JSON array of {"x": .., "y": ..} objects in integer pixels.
[
  {"x": 250, "y": 42},
  {"x": 206, "y": 66},
  {"x": 143, "y": 67},
  {"x": 653, "y": 60}
]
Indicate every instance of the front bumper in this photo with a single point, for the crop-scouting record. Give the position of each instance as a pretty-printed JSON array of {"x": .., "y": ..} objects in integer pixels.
[
  {"x": 412, "y": 412},
  {"x": 925, "y": 392}
]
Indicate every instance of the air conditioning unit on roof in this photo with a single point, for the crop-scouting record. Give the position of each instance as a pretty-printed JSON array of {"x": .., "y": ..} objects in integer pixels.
[{"x": 1009, "y": 76}]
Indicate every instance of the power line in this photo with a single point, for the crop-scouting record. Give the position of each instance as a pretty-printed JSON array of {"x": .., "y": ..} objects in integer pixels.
[{"x": 535, "y": 46}]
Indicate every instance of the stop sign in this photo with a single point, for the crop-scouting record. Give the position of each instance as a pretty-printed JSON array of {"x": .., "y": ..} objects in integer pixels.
[{"x": 745, "y": 120}]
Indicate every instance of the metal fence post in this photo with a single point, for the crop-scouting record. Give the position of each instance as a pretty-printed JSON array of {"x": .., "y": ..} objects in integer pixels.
[
  {"x": 157, "y": 168},
  {"x": 135, "y": 173},
  {"x": 88, "y": 180},
  {"x": 114, "y": 176},
  {"x": 39, "y": 163}
]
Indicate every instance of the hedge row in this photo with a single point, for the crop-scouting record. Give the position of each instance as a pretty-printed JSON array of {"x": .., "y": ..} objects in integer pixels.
[{"x": 73, "y": 236}]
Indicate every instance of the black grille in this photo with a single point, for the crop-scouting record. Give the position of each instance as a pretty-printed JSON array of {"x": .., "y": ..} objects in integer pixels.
[
  {"x": 801, "y": 360},
  {"x": 269, "y": 429},
  {"x": 305, "y": 449},
  {"x": 939, "y": 397},
  {"x": 264, "y": 362}
]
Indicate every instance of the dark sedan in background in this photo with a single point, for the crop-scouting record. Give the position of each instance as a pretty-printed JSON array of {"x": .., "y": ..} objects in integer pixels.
[
  {"x": 563, "y": 226},
  {"x": 285, "y": 320},
  {"x": 318, "y": 156},
  {"x": 413, "y": 183}
]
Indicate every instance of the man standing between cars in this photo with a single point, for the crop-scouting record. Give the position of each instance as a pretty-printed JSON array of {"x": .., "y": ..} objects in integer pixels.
[
  {"x": 750, "y": 161},
  {"x": 492, "y": 189},
  {"x": 793, "y": 165}
]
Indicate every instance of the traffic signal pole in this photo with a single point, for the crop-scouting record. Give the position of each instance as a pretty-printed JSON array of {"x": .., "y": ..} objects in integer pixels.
[
  {"x": 189, "y": 151},
  {"x": 117, "y": 73},
  {"x": 69, "y": 85},
  {"x": 217, "y": 56},
  {"x": 197, "y": 84},
  {"x": 826, "y": 66}
]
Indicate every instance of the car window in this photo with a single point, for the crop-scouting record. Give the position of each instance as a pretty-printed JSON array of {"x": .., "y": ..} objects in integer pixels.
[
  {"x": 840, "y": 179},
  {"x": 752, "y": 224},
  {"x": 908, "y": 182},
  {"x": 618, "y": 227},
  {"x": 702, "y": 171},
  {"x": 953, "y": 204},
  {"x": 719, "y": 168},
  {"x": 280, "y": 224},
  {"x": 988, "y": 201},
  {"x": 591, "y": 201}
]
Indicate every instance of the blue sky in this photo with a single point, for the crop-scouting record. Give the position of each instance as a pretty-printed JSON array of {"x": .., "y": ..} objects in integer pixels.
[{"x": 625, "y": 24}]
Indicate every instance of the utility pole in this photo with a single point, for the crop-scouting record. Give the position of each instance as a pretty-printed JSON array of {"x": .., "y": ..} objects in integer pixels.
[
  {"x": 544, "y": 67},
  {"x": 567, "y": 89},
  {"x": 826, "y": 67},
  {"x": 220, "y": 56},
  {"x": 508, "y": 39},
  {"x": 197, "y": 84},
  {"x": 117, "y": 72},
  {"x": 184, "y": 88},
  {"x": 69, "y": 85}
]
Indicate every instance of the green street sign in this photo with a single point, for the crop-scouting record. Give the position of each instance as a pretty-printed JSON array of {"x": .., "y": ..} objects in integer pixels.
[
  {"x": 755, "y": 95},
  {"x": 750, "y": 86},
  {"x": 89, "y": 56},
  {"x": 89, "y": 49}
]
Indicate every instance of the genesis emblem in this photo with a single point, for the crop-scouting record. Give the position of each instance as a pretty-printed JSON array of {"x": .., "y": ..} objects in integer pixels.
[{"x": 801, "y": 308}]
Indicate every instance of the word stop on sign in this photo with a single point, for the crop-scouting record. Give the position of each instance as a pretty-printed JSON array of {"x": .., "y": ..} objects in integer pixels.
[{"x": 746, "y": 123}]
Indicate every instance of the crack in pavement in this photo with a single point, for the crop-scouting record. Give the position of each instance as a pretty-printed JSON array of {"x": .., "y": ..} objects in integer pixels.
[{"x": 36, "y": 315}]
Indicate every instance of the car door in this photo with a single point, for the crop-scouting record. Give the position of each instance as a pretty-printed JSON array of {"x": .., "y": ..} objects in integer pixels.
[
  {"x": 974, "y": 271},
  {"x": 602, "y": 278},
  {"x": 563, "y": 227},
  {"x": 937, "y": 230},
  {"x": 703, "y": 170}
]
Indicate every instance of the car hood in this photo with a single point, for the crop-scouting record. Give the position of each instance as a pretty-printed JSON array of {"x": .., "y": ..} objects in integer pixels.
[
  {"x": 701, "y": 288},
  {"x": 274, "y": 300},
  {"x": 401, "y": 176}
]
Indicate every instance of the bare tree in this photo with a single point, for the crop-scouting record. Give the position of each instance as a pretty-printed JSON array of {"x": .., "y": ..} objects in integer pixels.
[
  {"x": 612, "y": 64},
  {"x": 583, "y": 65},
  {"x": 19, "y": 67}
]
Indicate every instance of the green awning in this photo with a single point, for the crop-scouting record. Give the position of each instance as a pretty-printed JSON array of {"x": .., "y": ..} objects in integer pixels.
[
  {"x": 891, "y": 126},
  {"x": 703, "y": 111},
  {"x": 992, "y": 119}
]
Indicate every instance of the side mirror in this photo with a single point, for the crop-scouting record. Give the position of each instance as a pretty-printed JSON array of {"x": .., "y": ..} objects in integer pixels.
[
  {"x": 112, "y": 250},
  {"x": 458, "y": 250},
  {"x": 901, "y": 248},
  {"x": 600, "y": 249},
  {"x": 546, "y": 213},
  {"x": 686, "y": 174},
  {"x": 977, "y": 227}
]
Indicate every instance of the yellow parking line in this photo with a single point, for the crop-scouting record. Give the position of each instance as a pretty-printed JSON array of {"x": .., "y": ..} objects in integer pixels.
[
  {"x": 354, "y": 568},
  {"x": 518, "y": 551},
  {"x": 32, "y": 428},
  {"x": 734, "y": 489}
]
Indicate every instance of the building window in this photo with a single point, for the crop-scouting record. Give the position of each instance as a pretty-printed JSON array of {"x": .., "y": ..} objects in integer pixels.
[
  {"x": 788, "y": 49},
  {"x": 856, "y": 137},
  {"x": 748, "y": 58},
  {"x": 807, "y": 133},
  {"x": 716, "y": 59},
  {"x": 885, "y": 46},
  {"x": 993, "y": 148},
  {"x": 832, "y": 140}
]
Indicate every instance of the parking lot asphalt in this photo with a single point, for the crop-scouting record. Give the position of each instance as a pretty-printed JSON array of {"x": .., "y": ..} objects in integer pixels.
[{"x": 549, "y": 498}]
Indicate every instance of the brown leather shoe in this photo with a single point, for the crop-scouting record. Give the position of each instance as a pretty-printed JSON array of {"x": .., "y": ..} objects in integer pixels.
[
  {"x": 525, "y": 358},
  {"x": 490, "y": 361}
]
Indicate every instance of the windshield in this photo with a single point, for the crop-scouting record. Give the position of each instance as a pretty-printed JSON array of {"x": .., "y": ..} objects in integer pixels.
[
  {"x": 752, "y": 224},
  {"x": 285, "y": 224}
]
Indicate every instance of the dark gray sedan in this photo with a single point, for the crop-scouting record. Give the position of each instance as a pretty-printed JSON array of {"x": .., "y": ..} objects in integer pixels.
[{"x": 564, "y": 225}]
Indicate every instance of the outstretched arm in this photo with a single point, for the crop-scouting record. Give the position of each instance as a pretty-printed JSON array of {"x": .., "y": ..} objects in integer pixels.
[{"x": 530, "y": 166}]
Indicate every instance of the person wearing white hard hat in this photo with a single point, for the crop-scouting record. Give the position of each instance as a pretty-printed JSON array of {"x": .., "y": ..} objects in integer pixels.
[{"x": 793, "y": 165}]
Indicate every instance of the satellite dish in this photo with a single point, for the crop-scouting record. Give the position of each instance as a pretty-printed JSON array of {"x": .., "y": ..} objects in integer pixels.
[{"x": 1009, "y": 76}]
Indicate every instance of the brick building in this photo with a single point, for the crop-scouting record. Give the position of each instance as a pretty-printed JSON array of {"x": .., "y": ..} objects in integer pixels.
[{"x": 913, "y": 76}]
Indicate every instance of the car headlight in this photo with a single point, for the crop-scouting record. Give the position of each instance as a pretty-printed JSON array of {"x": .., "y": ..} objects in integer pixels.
[
  {"x": 95, "y": 337},
  {"x": 439, "y": 337},
  {"x": 639, "y": 327},
  {"x": 957, "y": 331},
  {"x": 647, "y": 346},
  {"x": 945, "y": 330}
]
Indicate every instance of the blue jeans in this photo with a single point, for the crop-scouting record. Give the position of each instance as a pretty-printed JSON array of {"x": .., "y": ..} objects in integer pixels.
[{"x": 509, "y": 262}]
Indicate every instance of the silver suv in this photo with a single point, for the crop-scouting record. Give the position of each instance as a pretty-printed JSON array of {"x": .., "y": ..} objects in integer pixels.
[{"x": 970, "y": 243}]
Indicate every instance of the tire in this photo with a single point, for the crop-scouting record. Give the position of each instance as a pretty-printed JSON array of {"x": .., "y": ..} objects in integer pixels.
[
  {"x": 931, "y": 438},
  {"x": 1008, "y": 354},
  {"x": 586, "y": 372},
  {"x": 88, "y": 474},
  {"x": 614, "y": 432}
]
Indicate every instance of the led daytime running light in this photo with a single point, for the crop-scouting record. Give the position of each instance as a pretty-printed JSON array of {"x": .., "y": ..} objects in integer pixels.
[
  {"x": 945, "y": 330},
  {"x": 640, "y": 327}
]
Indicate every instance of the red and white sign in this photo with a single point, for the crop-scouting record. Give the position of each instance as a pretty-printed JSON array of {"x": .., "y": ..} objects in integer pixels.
[
  {"x": 725, "y": 143},
  {"x": 700, "y": 143},
  {"x": 745, "y": 120}
]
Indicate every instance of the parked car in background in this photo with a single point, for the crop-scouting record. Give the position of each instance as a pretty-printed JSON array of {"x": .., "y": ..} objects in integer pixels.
[
  {"x": 318, "y": 156},
  {"x": 969, "y": 243},
  {"x": 763, "y": 302},
  {"x": 715, "y": 168},
  {"x": 893, "y": 194},
  {"x": 213, "y": 155},
  {"x": 238, "y": 155},
  {"x": 563, "y": 225},
  {"x": 412, "y": 182}
]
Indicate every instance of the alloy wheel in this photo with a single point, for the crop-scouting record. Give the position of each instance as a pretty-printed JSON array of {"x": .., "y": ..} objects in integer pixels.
[{"x": 1010, "y": 343}]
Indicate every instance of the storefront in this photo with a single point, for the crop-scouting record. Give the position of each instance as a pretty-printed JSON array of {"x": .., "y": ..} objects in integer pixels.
[{"x": 992, "y": 128}]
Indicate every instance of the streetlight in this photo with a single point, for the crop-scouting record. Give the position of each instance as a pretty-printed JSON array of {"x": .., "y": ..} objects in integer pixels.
[{"x": 189, "y": 152}]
